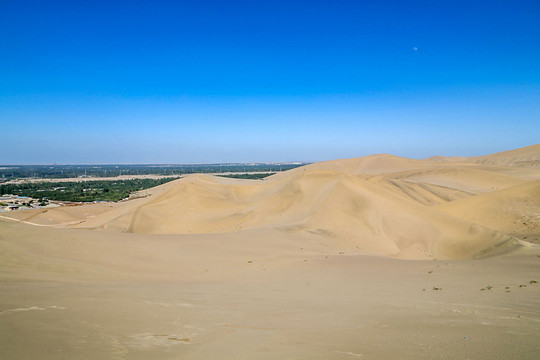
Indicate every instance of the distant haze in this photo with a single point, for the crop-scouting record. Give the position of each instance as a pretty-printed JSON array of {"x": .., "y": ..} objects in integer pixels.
[{"x": 239, "y": 81}]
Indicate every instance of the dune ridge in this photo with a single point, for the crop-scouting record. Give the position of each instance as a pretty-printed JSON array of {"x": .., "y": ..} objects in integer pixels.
[
  {"x": 528, "y": 156},
  {"x": 380, "y": 204}
]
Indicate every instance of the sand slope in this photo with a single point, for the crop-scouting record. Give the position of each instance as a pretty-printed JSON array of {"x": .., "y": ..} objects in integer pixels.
[
  {"x": 344, "y": 209},
  {"x": 74, "y": 294},
  {"x": 380, "y": 204},
  {"x": 514, "y": 211},
  {"x": 528, "y": 156},
  {"x": 208, "y": 267}
]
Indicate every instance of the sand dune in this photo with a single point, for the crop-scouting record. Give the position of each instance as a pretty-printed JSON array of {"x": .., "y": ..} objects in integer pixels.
[
  {"x": 380, "y": 204},
  {"x": 528, "y": 156},
  {"x": 207, "y": 267},
  {"x": 340, "y": 208},
  {"x": 514, "y": 211}
]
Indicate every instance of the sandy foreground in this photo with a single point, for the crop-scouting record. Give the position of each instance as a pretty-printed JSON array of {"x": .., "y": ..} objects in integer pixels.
[{"x": 377, "y": 258}]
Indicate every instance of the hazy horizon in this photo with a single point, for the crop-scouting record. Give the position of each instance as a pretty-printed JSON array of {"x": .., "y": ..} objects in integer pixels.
[
  {"x": 215, "y": 82},
  {"x": 230, "y": 162},
  {"x": 159, "y": 164}
]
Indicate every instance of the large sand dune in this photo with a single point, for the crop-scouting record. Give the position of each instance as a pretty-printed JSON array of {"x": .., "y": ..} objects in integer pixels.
[
  {"x": 528, "y": 156},
  {"x": 341, "y": 208},
  {"x": 514, "y": 210},
  {"x": 208, "y": 267},
  {"x": 381, "y": 204}
]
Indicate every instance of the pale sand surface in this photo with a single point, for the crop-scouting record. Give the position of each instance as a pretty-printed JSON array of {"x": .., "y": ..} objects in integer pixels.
[{"x": 335, "y": 260}]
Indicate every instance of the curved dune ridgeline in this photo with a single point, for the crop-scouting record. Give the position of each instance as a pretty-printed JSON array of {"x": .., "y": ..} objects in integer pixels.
[{"x": 380, "y": 204}]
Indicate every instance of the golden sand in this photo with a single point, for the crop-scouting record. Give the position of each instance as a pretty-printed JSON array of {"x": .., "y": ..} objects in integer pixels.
[{"x": 378, "y": 257}]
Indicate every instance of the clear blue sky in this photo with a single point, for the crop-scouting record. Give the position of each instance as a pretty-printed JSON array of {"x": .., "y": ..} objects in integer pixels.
[{"x": 235, "y": 81}]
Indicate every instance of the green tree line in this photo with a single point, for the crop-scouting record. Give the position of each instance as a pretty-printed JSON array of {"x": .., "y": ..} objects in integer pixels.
[{"x": 83, "y": 191}]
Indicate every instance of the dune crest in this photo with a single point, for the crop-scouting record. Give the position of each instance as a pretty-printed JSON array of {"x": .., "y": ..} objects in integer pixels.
[
  {"x": 380, "y": 204},
  {"x": 528, "y": 156}
]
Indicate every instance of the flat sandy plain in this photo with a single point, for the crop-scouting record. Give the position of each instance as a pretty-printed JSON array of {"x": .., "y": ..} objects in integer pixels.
[{"x": 378, "y": 257}]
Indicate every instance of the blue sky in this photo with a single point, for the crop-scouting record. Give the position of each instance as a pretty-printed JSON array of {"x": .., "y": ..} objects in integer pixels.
[{"x": 241, "y": 81}]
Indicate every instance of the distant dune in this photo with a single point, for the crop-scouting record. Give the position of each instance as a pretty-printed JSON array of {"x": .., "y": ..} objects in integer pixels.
[
  {"x": 380, "y": 204},
  {"x": 528, "y": 156}
]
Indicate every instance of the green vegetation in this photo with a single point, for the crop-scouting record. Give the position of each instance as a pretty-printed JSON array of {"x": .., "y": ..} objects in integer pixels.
[
  {"x": 248, "y": 176},
  {"x": 84, "y": 191}
]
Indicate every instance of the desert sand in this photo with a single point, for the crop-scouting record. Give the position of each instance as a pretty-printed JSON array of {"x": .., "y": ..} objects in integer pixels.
[{"x": 379, "y": 257}]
